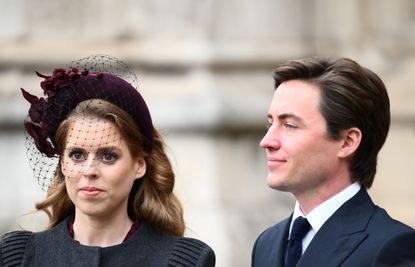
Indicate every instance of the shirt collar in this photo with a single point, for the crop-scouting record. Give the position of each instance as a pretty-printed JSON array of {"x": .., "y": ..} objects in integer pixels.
[{"x": 320, "y": 214}]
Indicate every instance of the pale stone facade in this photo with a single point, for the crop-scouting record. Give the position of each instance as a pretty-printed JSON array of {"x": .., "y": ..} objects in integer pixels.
[{"x": 205, "y": 69}]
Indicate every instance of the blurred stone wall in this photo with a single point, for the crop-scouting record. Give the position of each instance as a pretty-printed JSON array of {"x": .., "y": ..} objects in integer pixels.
[{"x": 204, "y": 68}]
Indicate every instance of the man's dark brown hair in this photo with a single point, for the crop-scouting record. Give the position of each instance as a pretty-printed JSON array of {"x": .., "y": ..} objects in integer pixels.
[{"x": 351, "y": 96}]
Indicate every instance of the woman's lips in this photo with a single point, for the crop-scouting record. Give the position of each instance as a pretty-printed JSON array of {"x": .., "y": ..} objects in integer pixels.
[{"x": 90, "y": 191}]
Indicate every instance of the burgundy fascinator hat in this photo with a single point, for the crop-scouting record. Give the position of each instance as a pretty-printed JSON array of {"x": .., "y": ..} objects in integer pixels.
[{"x": 94, "y": 77}]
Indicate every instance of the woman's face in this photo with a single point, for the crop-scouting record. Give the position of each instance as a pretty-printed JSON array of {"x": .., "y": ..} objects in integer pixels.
[{"x": 98, "y": 168}]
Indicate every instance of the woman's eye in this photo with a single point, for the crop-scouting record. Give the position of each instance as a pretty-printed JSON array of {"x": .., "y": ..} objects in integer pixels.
[
  {"x": 109, "y": 157},
  {"x": 76, "y": 156}
]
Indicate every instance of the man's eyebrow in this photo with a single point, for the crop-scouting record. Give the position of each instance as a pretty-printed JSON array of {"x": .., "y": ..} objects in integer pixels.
[
  {"x": 289, "y": 116},
  {"x": 286, "y": 116}
]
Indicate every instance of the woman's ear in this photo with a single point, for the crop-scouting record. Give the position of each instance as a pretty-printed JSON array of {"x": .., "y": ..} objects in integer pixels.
[
  {"x": 351, "y": 139},
  {"x": 141, "y": 168}
]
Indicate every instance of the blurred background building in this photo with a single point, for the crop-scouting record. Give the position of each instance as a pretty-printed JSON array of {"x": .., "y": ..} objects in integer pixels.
[{"x": 205, "y": 69}]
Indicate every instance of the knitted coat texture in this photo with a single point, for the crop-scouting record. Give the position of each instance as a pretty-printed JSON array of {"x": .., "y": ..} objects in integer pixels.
[{"x": 146, "y": 247}]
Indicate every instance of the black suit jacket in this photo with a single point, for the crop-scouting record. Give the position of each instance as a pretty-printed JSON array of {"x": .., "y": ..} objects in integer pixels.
[{"x": 357, "y": 234}]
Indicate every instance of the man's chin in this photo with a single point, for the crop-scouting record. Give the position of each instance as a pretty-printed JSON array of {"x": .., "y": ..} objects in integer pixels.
[{"x": 277, "y": 184}]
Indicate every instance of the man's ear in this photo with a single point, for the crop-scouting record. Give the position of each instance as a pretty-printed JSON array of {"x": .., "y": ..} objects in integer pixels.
[
  {"x": 351, "y": 139},
  {"x": 141, "y": 168}
]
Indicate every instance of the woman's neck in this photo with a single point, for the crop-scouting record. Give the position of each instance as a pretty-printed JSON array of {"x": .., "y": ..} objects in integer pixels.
[{"x": 101, "y": 231}]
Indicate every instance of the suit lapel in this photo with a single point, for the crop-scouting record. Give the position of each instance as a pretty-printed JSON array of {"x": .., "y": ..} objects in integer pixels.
[
  {"x": 280, "y": 244},
  {"x": 271, "y": 246},
  {"x": 341, "y": 233}
]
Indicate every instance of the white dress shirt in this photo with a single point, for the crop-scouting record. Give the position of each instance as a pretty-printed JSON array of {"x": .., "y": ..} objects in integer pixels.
[{"x": 320, "y": 214}]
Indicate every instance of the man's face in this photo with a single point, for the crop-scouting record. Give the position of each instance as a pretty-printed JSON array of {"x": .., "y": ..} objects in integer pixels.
[{"x": 301, "y": 158}]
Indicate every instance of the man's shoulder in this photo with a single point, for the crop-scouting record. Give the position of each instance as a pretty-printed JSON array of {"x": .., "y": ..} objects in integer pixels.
[
  {"x": 384, "y": 223},
  {"x": 362, "y": 214},
  {"x": 397, "y": 251}
]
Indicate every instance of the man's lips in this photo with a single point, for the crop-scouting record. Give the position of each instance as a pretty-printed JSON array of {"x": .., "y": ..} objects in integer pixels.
[{"x": 275, "y": 161}]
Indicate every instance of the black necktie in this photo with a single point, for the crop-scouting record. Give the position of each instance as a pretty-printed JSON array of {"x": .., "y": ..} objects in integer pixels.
[{"x": 294, "y": 248}]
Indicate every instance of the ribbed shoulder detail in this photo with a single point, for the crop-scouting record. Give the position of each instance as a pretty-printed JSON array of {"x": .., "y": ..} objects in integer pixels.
[
  {"x": 189, "y": 252},
  {"x": 12, "y": 248}
]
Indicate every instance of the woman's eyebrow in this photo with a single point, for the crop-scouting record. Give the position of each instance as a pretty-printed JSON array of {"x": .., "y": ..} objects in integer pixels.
[{"x": 71, "y": 148}]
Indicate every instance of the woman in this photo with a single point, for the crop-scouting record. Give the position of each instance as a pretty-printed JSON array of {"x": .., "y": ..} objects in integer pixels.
[{"x": 110, "y": 199}]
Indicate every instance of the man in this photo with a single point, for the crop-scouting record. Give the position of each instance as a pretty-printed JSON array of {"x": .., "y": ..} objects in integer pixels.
[{"x": 327, "y": 122}]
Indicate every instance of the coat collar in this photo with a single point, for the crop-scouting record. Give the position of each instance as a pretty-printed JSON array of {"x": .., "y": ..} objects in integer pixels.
[
  {"x": 280, "y": 235},
  {"x": 341, "y": 233}
]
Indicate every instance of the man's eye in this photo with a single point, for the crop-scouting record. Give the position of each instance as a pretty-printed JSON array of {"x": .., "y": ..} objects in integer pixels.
[{"x": 290, "y": 126}]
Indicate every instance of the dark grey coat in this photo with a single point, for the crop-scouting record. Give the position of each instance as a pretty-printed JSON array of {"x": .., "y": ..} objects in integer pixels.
[{"x": 146, "y": 247}]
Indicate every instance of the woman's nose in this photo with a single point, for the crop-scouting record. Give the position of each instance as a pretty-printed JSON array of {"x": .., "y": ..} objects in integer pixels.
[{"x": 91, "y": 169}]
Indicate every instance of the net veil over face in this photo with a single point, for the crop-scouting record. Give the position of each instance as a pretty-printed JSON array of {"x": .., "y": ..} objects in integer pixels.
[
  {"x": 98, "y": 166},
  {"x": 93, "y": 78},
  {"x": 90, "y": 142}
]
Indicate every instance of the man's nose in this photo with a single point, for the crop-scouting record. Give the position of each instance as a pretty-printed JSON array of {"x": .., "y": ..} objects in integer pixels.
[{"x": 271, "y": 139}]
